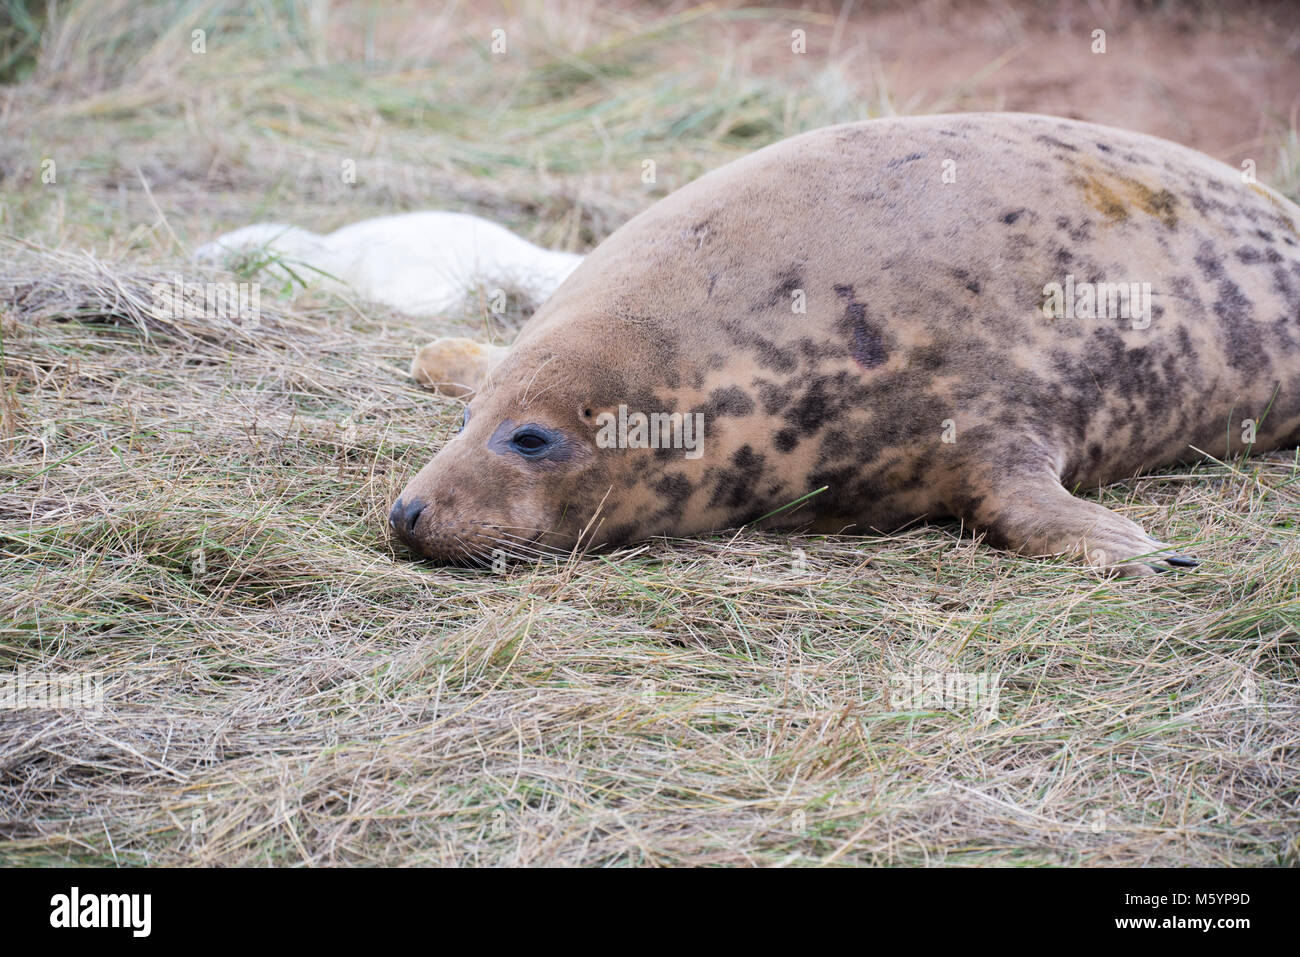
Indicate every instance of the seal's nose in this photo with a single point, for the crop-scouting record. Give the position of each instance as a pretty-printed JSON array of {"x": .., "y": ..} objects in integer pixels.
[{"x": 404, "y": 515}]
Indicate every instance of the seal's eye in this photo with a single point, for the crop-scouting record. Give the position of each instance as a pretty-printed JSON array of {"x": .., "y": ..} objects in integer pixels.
[{"x": 530, "y": 441}]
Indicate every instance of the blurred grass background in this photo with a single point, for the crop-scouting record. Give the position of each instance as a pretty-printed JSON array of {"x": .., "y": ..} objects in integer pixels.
[{"x": 194, "y": 510}]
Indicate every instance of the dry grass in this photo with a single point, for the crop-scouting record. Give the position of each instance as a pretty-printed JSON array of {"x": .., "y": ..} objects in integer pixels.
[{"x": 193, "y": 509}]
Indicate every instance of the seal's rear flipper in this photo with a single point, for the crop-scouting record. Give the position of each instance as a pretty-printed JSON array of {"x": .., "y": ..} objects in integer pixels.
[
  {"x": 455, "y": 367},
  {"x": 1032, "y": 513}
]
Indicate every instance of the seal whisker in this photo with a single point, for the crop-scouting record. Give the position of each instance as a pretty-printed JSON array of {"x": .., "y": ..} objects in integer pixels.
[
  {"x": 503, "y": 550},
  {"x": 524, "y": 399},
  {"x": 519, "y": 528},
  {"x": 516, "y": 542},
  {"x": 532, "y": 540},
  {"x": 515, "y": 546},
  {"x": 467, "y": 558}
]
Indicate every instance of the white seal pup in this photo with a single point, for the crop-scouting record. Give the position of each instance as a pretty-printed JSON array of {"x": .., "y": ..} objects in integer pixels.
[{"x": 421, "y": 264}]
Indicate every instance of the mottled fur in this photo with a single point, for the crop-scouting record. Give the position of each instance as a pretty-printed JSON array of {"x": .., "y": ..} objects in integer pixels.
[{"x": 923, "y": 312}]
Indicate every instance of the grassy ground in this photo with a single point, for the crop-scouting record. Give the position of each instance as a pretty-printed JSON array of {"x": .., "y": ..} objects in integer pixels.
[{"x": 193, "y": 510}]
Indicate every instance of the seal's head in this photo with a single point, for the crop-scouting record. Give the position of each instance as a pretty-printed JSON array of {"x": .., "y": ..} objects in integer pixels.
[
  {"x": 537, "y": 467},
  {"x": 498, "y": 486}
]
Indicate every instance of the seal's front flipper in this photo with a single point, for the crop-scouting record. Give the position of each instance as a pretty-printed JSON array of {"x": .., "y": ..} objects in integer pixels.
[
  {"x": 455, "y": 367},
  {"x": 1032, "y": 513}
]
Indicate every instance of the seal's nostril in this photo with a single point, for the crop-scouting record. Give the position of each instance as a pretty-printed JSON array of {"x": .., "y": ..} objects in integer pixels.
[
  {"x": 411, "y": 515},
  {"x": 403, "y": 516}
]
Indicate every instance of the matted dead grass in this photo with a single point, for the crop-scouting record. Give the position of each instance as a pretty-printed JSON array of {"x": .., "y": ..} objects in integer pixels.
[{"x": 193, "y": 510}]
